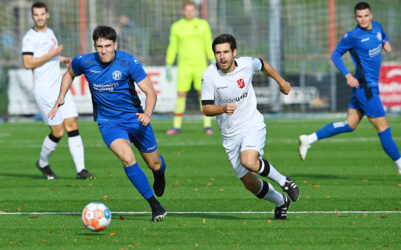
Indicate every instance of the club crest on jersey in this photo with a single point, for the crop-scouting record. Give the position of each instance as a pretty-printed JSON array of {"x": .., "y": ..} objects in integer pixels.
[
  {"x": 241, "y": 83},
  {"x": 379, "y": 36},
  {"x": 117, "y": 75}
]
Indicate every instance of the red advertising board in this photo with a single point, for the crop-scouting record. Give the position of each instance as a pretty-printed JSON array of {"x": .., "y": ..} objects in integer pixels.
[{"x": 390, "y": 84}]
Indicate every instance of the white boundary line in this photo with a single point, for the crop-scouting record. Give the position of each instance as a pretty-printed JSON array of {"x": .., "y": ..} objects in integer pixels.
[{"x": 213, "y": 212}]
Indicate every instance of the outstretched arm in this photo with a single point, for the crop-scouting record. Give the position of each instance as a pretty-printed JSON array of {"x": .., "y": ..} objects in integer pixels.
[
  {"x": 270, "y": 71},
  {"x": 213, "y": 110},
  {"x": 66, "y": 82},
  {"x": 147, "y": 87},
  {"x": 31, "y": 62}
]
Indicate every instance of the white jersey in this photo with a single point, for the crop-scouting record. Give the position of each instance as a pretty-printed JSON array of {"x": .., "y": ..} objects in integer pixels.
[
  {"x": 47, "y": 77},
  {"x": 236, "y": 88}
]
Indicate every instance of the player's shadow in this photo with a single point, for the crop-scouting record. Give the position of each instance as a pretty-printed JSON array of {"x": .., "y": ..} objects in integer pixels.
[
  {"x": 97, "y": 234},
  {"x": 339, "y": 177},
  {"x": 13, "y": 175},
  {"x": 33, "y": 176},
  {"x": 193, "y": 215}
]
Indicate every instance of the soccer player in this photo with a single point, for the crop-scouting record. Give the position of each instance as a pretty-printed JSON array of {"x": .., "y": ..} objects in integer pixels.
[
  {"x": 117, "y": 110},
  {"x": 228, "y": 94},
  {"x": 191, "y": 43},
  {"x": 365, "y": 43},
  {"x": 41, "y": 53}
]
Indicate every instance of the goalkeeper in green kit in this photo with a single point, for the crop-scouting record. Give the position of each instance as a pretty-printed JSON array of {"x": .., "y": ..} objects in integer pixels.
[{"x": 191, "y": 43}]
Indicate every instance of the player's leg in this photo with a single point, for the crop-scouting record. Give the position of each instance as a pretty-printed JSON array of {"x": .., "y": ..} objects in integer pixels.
[
  {"x": 51, "y": 141},
  {"x": 144, "y": 140},
  {"x": 156, "y": 163},
  {"x": 184, "y": 80},
  {"x": 207, "y": 120},
  {"x": 354, "y": 116},
  {"x": 49, "y": 145},
  {"x": 374, "y": 110},
  {"x": 251, "y": 157},
  {"x": 386, "y": 139},
  {"x": 76, "y": 148},
  {"x": 75, "y": 144},
  {"x": 264, "y": 190},
  {"x": 122, "y": 149}
]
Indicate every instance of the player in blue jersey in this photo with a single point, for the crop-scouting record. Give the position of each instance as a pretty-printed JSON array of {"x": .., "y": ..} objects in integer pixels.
[
  {"x": 365, "y": 43},
  {"x": 117, "y": 110}
]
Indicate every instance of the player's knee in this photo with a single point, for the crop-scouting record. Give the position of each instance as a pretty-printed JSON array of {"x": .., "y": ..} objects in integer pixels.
[
  {"x": 250, "y": 163},
  {"x": 127, "y": 159},
  {"x": 154, "y": 163},
  {"x": 58, "y": 133}
]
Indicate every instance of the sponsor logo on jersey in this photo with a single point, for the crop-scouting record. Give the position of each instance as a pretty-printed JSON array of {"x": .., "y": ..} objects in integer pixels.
[
  {"x": 108, "y": 87},
  {"x": 365, "y": 39},
  {"x": 117, "y": 75},
  {"x": 95, "y": 71},
  {"x": 231, "y": 100},
  {"x": 241, "y": 83}
]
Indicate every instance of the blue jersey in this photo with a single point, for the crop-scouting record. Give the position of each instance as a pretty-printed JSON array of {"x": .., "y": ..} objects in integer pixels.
[
  {"x": 112, "y": 85},
  {"x": 365, "y": 47}
]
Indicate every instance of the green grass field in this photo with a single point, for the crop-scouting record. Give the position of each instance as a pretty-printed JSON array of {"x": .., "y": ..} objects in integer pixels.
[{"x": 350, "y": 193}]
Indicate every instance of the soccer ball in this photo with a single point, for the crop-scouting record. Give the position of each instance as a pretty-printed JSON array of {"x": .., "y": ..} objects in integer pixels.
[{"x": 96, "y": 216}]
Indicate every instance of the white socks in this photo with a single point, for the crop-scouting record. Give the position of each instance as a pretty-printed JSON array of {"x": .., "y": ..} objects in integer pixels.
[
  {"x": 274, "y": 196},
  {"x": 398, "y": 162},
  {"x": 48, "y": 147},
  {"x": 276, "y": 176},
  {"x": 311, "y": 138},
  {"x": 77, "y": 152}
]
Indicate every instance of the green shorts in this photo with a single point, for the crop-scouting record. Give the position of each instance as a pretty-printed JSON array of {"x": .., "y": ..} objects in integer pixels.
[{"x": 187, "y": 76}]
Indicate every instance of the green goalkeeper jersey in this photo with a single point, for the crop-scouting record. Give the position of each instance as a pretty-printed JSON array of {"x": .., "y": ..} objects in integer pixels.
[{"x": 191, "y": 42}]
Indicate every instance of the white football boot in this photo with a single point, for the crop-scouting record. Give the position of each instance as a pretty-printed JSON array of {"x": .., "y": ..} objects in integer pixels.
[{"x": 303, "y": 146}]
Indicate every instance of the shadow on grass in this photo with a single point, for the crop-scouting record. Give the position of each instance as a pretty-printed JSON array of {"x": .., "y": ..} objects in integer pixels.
[
  {"x": 345, "y": 177},
  {"x": 147, "y": 217},
  {"x": 33, "y": 176}
]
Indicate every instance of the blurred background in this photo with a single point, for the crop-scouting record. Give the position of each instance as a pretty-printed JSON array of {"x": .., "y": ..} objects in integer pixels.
[{"x": 295, "y": 36}]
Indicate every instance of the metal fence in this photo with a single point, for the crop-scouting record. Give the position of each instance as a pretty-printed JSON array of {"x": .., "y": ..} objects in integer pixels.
[{"x": 302, "y": 41}]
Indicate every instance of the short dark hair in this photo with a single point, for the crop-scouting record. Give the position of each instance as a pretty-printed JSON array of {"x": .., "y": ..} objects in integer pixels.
[
  {"x": 361, "y": 6},
  {"x": 106, "y": 32},
  {"x": 39, "y": 5},
  {"x": 224, "y": 38}
]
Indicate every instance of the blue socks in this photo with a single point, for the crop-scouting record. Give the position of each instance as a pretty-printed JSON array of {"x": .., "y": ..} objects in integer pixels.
[
  {"x": 163, "y": 167},
  {"x": 139, "y": 179},
  {"x": 333, "y": 129},
  {"x": 389, "y": 145}
]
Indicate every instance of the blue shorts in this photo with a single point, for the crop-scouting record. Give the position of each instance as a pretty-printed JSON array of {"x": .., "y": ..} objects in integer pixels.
[
  {"x": 141, "y": 136},
  {"x": 372, "y": 107}
]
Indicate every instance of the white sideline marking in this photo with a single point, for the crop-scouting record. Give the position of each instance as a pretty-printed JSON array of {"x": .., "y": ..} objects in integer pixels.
[{"x": 213, "y": 212}]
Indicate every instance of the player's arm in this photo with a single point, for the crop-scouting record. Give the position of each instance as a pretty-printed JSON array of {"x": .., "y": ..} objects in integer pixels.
[
  {"x": 65, "y": 60},
  {"x": 209, "y": 109},
  {"x": 270, "y": 71},
  {"x": 31, "y": 62},
  {"x": 66, "y": 82},
  {"x": 171, "y": 53},
  {"x": 147, "y": 87},
  {"x": 386, "y": 43},
  {"x": 343, "y": 46}
]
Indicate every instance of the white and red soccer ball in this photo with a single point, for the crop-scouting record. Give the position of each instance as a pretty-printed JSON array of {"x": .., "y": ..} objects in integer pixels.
[{"x": 96, "y": 216}]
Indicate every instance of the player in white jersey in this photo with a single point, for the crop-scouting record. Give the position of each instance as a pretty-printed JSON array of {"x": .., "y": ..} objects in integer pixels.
[
  {"x": 41, "y": 53},
  {"x": 228, "y": 94}
]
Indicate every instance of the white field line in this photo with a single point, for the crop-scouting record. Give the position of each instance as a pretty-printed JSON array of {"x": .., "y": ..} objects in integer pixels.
[{"x": 212, "y": 212}]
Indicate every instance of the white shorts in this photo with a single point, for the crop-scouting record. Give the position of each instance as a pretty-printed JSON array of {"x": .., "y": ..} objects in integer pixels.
[
  {"x": 252, "y": 137},
  {"x": 46, "y": 104}
]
